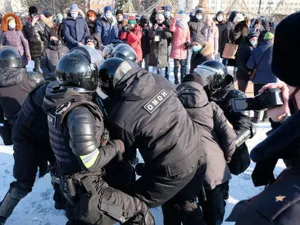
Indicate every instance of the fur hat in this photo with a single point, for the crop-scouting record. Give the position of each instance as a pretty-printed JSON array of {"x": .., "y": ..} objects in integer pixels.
[
  {"x": 285, "y": 58},
  {"x": 9, "y": 16}
]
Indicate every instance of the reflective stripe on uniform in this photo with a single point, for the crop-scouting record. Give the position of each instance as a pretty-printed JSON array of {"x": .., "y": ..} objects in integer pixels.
[{"x": 89, "y": 159}]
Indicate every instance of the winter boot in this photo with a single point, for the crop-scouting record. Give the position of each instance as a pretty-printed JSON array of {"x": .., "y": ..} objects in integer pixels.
[
  {"x": 167, "y": 73},
  {"x": 256, "y": 118},
  {"x": 265, "y": 117},
  {"x": 182, "y": 72},
  {"x": 10, "y": 201},
  {"x": 176, "y": 75}
]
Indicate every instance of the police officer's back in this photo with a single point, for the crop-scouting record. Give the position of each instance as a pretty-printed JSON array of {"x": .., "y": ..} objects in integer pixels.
[
  {"x": 15, "y": 84},
  {"x": 148, "y": 115}
]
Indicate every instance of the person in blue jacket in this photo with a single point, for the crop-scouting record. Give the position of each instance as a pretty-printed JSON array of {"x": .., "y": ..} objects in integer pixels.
[
  {"x": 75, "y": 28},
  {"x": 260, "y": 60},
  {"x": 107, "y": 27}
]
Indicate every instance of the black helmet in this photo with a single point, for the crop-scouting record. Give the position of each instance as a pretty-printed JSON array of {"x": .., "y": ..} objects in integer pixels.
[
  {"x": 112, "y": 71},
  {"x": 213, "y": 74},
  {"x": 124, "y": 51},
  {"x": 10, "y": 57},
  {"x": 76, "y": 71}
]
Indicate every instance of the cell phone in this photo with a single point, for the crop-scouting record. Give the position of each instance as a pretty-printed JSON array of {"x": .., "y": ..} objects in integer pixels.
[{"x": 267, "y": 100}]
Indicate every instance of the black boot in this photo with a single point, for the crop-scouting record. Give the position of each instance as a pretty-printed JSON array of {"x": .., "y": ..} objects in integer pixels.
[
  {"x": 167, "y": 73},
  {"x": 182, "y": 72},
  {"x": 265, "y": 117},
  {"x": 176, "y": 75},
  {"x": 256, "y": 118}
]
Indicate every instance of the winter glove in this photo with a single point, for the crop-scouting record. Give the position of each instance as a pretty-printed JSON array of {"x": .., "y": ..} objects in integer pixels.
[
  {"x": 144, "y": 217},
  {"x": 140, "y": 169},
  {"x": 126, "y": 28},
  {"x": 119, "y": 146},
  {"x": 263, "y": 172},
  {"x": 188, "y": 45}
]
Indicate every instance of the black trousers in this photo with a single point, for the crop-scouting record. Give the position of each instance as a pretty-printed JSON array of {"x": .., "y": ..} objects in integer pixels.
[
  {"x": 183, "y": 207},
  {"x": 37, "y": 64},
  {"x": 214, "y": 206},
  {"x": 242, "y": 85}
]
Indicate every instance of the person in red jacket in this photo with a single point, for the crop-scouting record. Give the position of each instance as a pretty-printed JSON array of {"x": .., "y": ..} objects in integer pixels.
[{"x": 132, "y": 34}]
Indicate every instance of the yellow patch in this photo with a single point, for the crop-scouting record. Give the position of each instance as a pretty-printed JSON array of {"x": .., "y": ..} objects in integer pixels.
[
  {"x": 280, "y": 198},
  {"x": 229, "y": 124}
]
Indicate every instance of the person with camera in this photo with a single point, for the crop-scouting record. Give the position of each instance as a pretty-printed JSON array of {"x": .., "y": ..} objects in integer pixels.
[
  {"x": 158, "y": 36},
  {"x": 279, "y": 202},
  {"x": 81, "y": 147}
]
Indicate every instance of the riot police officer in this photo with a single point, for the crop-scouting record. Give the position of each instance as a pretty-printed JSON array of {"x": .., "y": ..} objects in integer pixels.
[
  {"x": 148, "y": 115},
  {"x": 124, "y": 51},
  {"x": 15, "y": 84},
  {"x": 219, "y": 89},
  {"x": 76, "y": 128}
]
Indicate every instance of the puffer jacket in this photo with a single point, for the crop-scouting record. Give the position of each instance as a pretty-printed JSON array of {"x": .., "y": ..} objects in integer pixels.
[
  {"x": 75, "y": 31},
  {"x": 218, "y": 138},
  {"x": 50, "y": 58},
  {"x": 158, "y": 56},
  {"x": 15, "y": 84},
  {"x": 15, "y": 37},
  {"x": 108, "y": 30},
  {"x": 242, "y": 57},
  {"x": 134, "y": 39},
  {"x": 38, "y": 35},
  {"x": 197, "y": 28},
  {"x": 263, "y": 73},
  {"x": 223, "y": 36},
  {"x": 181, "y": 35}
]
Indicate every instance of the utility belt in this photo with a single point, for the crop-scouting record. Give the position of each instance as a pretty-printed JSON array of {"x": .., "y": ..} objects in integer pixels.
[{"x": 77, "y": 184}]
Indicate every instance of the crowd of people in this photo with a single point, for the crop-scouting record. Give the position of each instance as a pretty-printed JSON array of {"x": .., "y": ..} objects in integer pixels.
[{"x": 92, "y": 101}]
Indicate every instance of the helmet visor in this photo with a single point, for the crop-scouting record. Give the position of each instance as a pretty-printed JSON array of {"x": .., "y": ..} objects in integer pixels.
[{"x": 205, "y": 74}]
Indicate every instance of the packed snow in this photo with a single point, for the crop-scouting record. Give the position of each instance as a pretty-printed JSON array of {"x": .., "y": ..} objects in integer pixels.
[{"x": 38, "y": 207}]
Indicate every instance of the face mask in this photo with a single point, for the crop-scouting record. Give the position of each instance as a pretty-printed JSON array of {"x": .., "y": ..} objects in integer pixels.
[
  {"x": 12, "y": 25},
  {"x": 74, "y": 15},
  {"x": 293, "y": 103},
  {"x": 220, "y": 18},
  {"x": 108, "y": 15},
  {"x": 167, "y": 14},
  {"x": 253, "y": 43},
  {"x": 199, "y": 17},
  {"x": 196, "y": 48}
]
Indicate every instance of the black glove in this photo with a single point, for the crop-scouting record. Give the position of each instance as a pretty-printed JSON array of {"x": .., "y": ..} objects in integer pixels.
[
  {"x": 140, "y": 169},
  {"x": 188, "y": 45},
  {"x": 263, "y": 172},
  {"x": 126, "y": 28}
]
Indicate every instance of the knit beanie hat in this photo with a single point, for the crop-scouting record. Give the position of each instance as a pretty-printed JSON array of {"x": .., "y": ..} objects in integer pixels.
[
  {"x": 119, "y": 11},
  {"x": 107, "y": 8},
  {"x": 238, "y": 18},
  {"x": 199, "y": 40},
  {"x": 74, "y": 7},
  {"x": 48, "y": 13},
  {"x": 131, "y": 20},
  {"x": 167, "y": 8},
  {"x": 59, "y": 17},
  {"x": 181, "y": 12},
  {"x": 268, "y": 36},
  {"x": 33, "y": 10},
  {"x": 285, "y": 59}
]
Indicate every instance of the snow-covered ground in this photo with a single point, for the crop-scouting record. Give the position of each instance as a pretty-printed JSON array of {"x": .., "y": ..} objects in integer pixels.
[{"x": 38, "y": 207}]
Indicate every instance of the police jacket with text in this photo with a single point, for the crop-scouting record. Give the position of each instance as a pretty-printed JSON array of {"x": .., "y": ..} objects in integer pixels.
[
  {"x": 148, "y": 115},
  {"x": 75, "y": 132}
]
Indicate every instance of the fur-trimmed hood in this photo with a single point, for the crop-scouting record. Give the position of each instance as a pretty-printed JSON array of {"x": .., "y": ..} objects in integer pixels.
[
  {"x": 207, "y": 49},
  {"x": 5, "y": 22}
]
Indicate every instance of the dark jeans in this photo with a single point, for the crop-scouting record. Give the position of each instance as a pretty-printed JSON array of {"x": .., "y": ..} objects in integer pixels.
[
  {"x": 214, "y": 206},
  {"x": 242, "y": 85},
  {"x": 182, "y": 64}
]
